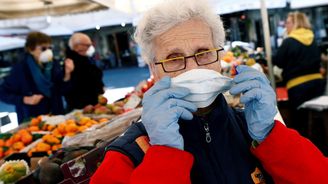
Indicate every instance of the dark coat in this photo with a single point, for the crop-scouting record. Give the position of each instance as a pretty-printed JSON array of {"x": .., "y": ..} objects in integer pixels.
[
  {"x": 226, "y": 158},
  {"x": 297, "y": 59},
  {"x": 20, "y": 83},
  {"x": 86, "y": 82}
]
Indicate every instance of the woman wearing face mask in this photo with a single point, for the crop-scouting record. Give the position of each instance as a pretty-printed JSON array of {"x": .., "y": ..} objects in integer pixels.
[
  {"x": 34, "y": 84},
  {"x": 188, "y": 133}
]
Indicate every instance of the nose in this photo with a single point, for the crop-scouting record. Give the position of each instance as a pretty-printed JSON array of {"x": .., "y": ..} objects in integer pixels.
[{"x": 191, "y": 63}]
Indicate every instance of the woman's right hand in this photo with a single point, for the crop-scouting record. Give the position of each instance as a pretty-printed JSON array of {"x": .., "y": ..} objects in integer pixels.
[
  {"x": 69, "y": 68},
  {"x": 32, "y": 100},
  {"x": 162, "y": 107}
]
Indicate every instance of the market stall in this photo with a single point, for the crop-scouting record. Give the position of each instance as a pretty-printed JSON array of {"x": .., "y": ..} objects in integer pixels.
[{"x": 54, "y": 144}]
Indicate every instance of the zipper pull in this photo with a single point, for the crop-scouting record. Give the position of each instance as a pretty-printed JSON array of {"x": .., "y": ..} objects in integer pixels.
[{"x": 208, "y": 137}]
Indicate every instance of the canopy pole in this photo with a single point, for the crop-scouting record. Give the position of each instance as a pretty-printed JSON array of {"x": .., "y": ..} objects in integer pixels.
[{"x": 267, "y": 42}]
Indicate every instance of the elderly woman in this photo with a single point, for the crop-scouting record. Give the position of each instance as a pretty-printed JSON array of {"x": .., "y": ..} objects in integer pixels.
[
  {"x": 194, "y": 136},
  {"x": 34, "y": 84}
]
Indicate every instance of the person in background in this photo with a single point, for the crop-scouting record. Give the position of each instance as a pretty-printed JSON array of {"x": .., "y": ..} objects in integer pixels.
[
  {"x": 35, "y": 84},
  {"x": 86, "y": 79},
  {"x": 299, "y": 57},
  {"x": 188, "y": 133}
]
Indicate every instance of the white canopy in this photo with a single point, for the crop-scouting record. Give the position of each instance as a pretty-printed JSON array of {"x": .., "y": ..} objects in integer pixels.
[
  {"x": 57, "y": 30},
  {"x": 65, "y": 25},
  {"x": 7, "y": 43},
  {"x": 92, "y": 20},
  {"x": 303, "y": 4},
  {"x": 221, "y": 6},
  {"x": 10, "y": 9},
  {"x": 230, "y": 6}
]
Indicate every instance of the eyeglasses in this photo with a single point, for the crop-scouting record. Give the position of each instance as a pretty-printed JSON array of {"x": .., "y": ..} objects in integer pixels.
[
  {"x": 85, "y": 44},
  {"x": 44, "y": 48},
  {"x": 179, "y": 63}
]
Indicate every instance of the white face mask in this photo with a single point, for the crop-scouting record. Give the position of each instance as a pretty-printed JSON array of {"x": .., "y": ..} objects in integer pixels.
[
  {"x": 205, "y": 85},
  {"x": 46, "y": 56},
  {"x": 91, "y": 50}
]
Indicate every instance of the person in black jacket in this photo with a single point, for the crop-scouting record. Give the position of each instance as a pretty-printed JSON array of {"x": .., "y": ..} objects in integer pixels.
[
  {"x": 299, "y": 57},
  {"x": 35, "y": 85},
  {"x": 86, "y": 79}
]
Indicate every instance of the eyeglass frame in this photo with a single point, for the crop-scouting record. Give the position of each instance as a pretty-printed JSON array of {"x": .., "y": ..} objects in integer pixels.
[
  {"x": 190, "y": 56},
  {"x": 44, "y": 48},
  {"x": 85, "y": 44}
]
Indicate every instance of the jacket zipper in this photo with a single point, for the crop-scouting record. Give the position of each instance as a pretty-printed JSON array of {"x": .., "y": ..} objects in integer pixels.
[{"x": 208, "y": 137}]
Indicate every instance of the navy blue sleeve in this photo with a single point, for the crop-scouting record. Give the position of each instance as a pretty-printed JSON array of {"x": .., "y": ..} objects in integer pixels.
[
  {"x": 241, "y": 121},
  {"x": 10, "y": 90},
  {"x": 282, "y": 54},
  {"x": 58, "y": 78}
]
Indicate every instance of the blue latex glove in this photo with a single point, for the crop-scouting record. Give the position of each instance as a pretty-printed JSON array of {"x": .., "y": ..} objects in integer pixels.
[
  {"x": 162, "y": 108},
  {"x": 259, "y": 99}
]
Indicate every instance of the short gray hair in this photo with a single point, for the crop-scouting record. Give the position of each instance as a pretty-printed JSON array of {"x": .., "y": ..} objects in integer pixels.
[
  {"x": 168, "y": 14},
  {"x": 74, "y": 39}
]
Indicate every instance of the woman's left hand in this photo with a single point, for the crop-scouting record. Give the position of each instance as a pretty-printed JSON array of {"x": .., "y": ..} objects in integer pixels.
[{"x": 259, "y": 99}]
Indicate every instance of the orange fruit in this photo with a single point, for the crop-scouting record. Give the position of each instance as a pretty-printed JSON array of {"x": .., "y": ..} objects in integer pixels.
[
  {"x": 45, "y": 137},
  {"x": 39, "y": 118},
  {"x": 93, "y": 121},
  {"x": 44, "y": 127},
  {"x": 9, "y": 152},
  {"x": 51, "y": 127},
  {"x": 88, "y": 124},
  {"x": 61, "y": 129},
  {"x": 9, "y": 142},
  {"x": 2, "y": 142},
  {"x": 51, "y": 139},
  {"x": 33, "y": 128},
  {"x": 70, "y": 121},
  {"x": 84, "y": 120},
  {"x": 71, "y": 128},
  {"x": 102, "y": 120},
  {"x": 22, "y": 131},
  {"x": 1, "y": 152},
  {"x": 70, "y": 134},
  {"x": 16, "y": 137},
  {"x": 35, "y": 121},
  {"x": 56, "y": 147},
  {"x": 29, "y": 153},
  {"x": 82, "y": 128},
  {"x": 56, "y": 133},
  {"x": 18, "y": 146},
  {"x": 41, "y": 146},
  {"x": 27, "y": 139}
]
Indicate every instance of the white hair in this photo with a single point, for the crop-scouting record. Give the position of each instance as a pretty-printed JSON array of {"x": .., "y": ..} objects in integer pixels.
[
  {"x": 168, "y": 14},
  {"x": 75, "y": 39}
]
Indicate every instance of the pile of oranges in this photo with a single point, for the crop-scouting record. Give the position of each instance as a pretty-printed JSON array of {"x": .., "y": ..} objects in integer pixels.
[
  {"x": 50, "y": 142},
  {"x": 15, "y": 143}
]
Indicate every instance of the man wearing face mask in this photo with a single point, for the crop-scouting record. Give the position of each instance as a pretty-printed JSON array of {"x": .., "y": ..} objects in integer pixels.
[
  {"x": 85, "y": 79},
  {"x": 188, "y": 133},
  {"x": 35, "y": 84}
]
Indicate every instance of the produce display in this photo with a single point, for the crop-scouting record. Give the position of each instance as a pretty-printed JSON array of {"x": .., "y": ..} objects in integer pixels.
[
  {"x": 65, "y": 137},
  {"x": 12, "y": 171},
  {"x": 238, "y": 55}
]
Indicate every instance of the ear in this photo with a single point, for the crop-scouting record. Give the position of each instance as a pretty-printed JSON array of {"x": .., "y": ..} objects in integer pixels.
[{"x": 153, "y": 71}]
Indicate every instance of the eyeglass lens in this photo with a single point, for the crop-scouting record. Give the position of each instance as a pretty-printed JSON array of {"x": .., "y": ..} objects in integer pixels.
[{"x": 179, "y": 63}]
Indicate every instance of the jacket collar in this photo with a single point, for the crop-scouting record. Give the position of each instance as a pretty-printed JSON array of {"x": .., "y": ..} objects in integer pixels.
[{"x": 305, "y": 36}]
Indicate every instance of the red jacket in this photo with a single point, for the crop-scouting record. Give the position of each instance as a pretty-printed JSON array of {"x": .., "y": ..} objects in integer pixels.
[{"x": 285, "y": 155}]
